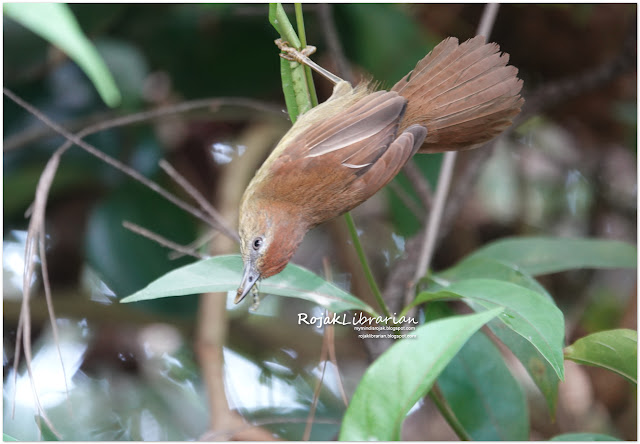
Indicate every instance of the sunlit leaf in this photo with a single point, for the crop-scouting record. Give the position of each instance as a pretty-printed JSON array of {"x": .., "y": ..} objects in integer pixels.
[
  {"x": 223, "y": 273},
  {"x": 6, "y": 437},
  {"x": 403, "y": 375},
  {"x": 615, "y": 350},
  {"x": 55, "y": 22},
  {"x": 528, "y": 313},
  {"x": 542, "y": 255}
]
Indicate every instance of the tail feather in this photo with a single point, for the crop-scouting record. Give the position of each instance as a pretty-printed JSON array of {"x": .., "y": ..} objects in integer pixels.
[{"x": 464, "y": 94}]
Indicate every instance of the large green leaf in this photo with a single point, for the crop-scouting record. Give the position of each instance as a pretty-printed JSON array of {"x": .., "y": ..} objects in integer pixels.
[
  {"x": 402, "y": 375},
  {"x": 536, "y": 365},
  {"x": 483, "y": 394},
  {"x": 55, "y": 22},
  {"x": 615, "y": 350},
  {"x": 583, "y": 437},
  {"x": 542, "y": 255},
  {"x": 223, "y": 273},
  {"x": 479, "y": 267},
  {"x": 527, "y": 312}
]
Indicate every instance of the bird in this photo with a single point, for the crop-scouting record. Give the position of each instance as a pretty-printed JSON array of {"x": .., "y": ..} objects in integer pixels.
[{"x": 341, "y": 152}]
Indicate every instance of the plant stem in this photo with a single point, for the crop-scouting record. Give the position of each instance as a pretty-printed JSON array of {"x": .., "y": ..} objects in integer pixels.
[
  {"x": 365, "y": 264},
  {"x": 303, "y": 44},
  {"x": 436, "y": 396}
]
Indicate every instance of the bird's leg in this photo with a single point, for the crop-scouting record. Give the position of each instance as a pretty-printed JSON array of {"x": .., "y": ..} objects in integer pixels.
[{"x": 302, "y": 56}]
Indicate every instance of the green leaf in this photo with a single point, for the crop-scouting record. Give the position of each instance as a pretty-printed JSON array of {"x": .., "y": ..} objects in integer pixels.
[
  {"x": 528, "y": 313},
  {"x": 6, "y": 437},
  {"x": 402, "y": 375},
  {"x": 294, "y": 80},
  {"x": 483, "y": 394},
  {"x": 223, "y": 273},
  {"x": 55, "y": 23},
  {"x": 584, "y": 437},
  {"x": 47, "y": 433},
  {"x": 279, "y": 20},
  {"x": 536, "y": 365},
  {"x": 484, "y": 267},
  {"x": 615, "y": 350},
  {"x": 541, "y": 371},
  {"x": 543, "y": 255}
]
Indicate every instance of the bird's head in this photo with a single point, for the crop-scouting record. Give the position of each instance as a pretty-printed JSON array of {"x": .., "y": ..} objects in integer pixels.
[{"x": 270, "y": 234}]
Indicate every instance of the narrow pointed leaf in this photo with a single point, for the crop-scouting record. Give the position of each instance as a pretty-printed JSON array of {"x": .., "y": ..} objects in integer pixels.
[
  {"x": 543, "y": 255},
  {"x": 55, "y": 23},
  {"x": 402, "y": 375},
  {"x": 615, "y": 350},
  {"x": 223, "y": 273},
  {"x": 294, "y": 81},
  {"x": 528, "y": 313}
]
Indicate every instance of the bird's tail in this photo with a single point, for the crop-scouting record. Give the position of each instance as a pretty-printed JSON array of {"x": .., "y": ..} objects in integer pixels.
[{"x": 464, "y": 94}]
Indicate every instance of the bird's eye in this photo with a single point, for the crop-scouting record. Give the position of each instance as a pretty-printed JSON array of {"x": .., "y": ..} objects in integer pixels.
[{"x": 257, "y": 243}]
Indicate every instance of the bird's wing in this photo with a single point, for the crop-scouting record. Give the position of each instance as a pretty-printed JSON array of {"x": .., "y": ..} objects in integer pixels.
[
  {"x": 352, "y": 138},
  {"x": 372, "y": 116}
]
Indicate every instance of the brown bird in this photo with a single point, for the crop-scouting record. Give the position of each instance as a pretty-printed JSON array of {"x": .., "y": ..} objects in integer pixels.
[{"x": 340, "y": 153}]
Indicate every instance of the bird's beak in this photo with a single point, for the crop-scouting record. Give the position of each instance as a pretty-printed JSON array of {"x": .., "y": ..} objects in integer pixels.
[{"x": 250, "y": 278}]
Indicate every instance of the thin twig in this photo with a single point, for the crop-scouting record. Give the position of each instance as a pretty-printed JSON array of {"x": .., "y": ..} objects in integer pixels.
[
  {"x": 44, "y": 269},
  {"x": 331, "y": 339},
  {"x": 355, "y": 239},
  {"x": 24, "y": 324},
  {"x": 407, "y": 200},
  {"x": 431, "y": 234},
  {"x": 36, "y": 223},
  {"x": 159, "y": 239},
  {"x": 37, "y": 131},
  {"x": 475, "y": 159},
  {"x": 419, "y": 183},
  {"x": 438, "y": 399},
  {"x": 195, "y": 194},
  {"x": 316, "y": 392},
  {"x": 213, "y": 103},
  {"x": 118, "y": 165},
  {"x": 330, "y": 34},
  {"x": 195, "y": 245}
]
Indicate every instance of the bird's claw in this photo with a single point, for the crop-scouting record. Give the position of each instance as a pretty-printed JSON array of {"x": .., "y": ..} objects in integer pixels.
[{"x": 292, "y": 54}]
